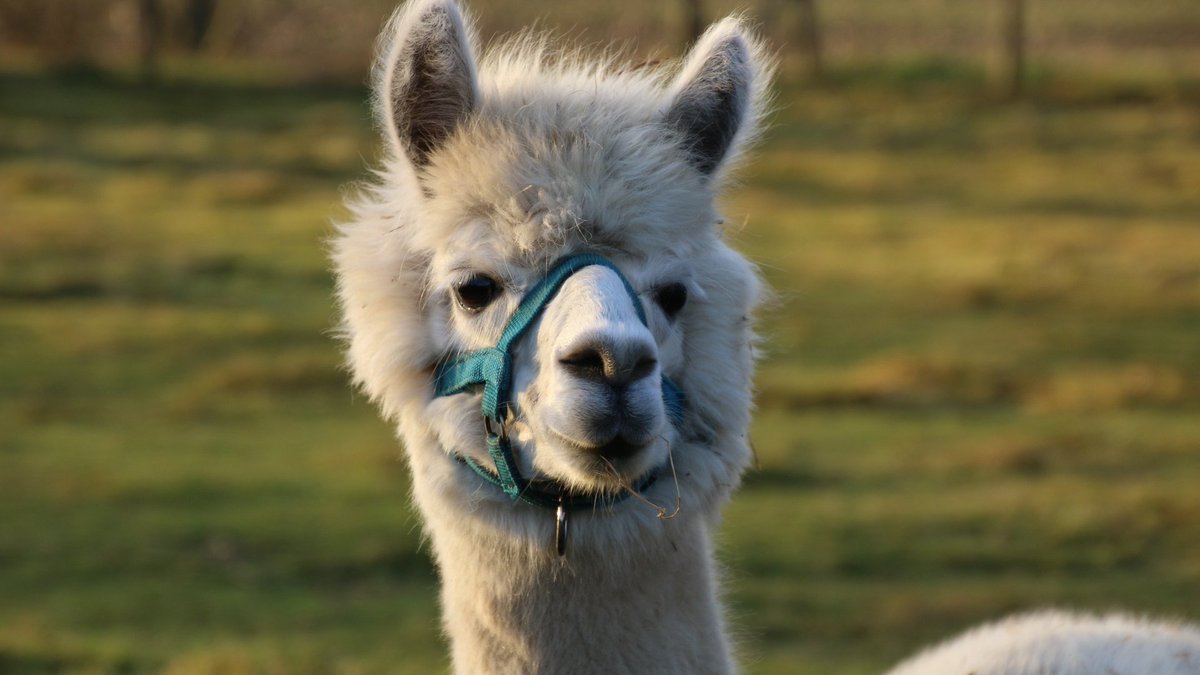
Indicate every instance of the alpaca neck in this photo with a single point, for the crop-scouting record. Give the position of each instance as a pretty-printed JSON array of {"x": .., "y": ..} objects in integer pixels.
[{"x": 633, "y": 607}]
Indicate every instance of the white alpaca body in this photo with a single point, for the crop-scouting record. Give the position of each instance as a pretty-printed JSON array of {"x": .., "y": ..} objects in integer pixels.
[
  {"x": 529, "y": 611},
  {"x": 494, "y": 171},
  {"x": 1062, "y": 643}
]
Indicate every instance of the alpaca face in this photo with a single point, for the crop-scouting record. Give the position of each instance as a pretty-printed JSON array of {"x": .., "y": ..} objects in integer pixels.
[
  {"x": 497, "y": 171},
  {"x": 588, "y": 405},
  {"x": 588, "y": 386}
]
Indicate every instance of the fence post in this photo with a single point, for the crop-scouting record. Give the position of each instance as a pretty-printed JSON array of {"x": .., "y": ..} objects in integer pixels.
[
  {"x": 693, "y": 20},
  {"x": 150, "y": 26},
  {"x": 810, "y": 38},
  {"x": 198, "y": 16},
  {"x": 1014, "y": 48}
]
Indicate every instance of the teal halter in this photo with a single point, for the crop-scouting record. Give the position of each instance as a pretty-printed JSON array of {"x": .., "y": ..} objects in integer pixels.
[{"x": 492, "y": 368}]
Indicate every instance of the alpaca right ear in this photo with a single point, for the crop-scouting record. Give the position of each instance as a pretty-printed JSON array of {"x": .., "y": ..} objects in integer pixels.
[
  {"x": 425, "y": 81},
  {"x": 718, "y": 95}
]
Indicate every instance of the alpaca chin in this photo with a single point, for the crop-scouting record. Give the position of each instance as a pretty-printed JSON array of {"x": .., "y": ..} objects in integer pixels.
[
  {"x": 612, "y": 468},
  {"x": 607, "y": 448}
]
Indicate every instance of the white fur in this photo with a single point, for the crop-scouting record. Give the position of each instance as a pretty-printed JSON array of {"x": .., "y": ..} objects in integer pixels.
[
  {"x": 501, "y": 166},
  {"x": 1061, "y": 643},
  {"x": 553, "y": 154}
]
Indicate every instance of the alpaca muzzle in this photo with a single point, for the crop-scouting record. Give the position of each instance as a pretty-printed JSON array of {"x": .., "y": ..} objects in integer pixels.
[{"x": 492, "y": 369}]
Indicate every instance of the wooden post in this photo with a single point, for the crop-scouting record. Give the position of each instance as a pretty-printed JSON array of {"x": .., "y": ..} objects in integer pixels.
[
  {"x": 810, "y": 38},
  {"x": 150, "y": 25},
  {"x": 693, "y": 20},
  {"x": 198, "y": 18},
  {"x": 1014, "y": 48},
  {"x": 66, "y": 35}
]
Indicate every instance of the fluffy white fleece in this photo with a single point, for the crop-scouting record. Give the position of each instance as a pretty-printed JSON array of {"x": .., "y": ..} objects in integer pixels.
[
  {"x": 501, "y": 165},
  {"x": 1063, "y": 643}
]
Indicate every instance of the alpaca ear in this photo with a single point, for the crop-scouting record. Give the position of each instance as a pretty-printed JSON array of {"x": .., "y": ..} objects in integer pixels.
[
  {"x": 715, "y": 95},
  {"x": 425, "y": 81}
]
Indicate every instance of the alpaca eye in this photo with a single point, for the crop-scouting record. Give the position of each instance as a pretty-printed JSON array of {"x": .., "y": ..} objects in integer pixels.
[
  {"x": 476, "y": 293},
  {"x": 671, "y": 298}
]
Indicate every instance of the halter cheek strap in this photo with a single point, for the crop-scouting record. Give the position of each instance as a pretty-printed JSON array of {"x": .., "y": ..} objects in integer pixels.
[{"x": 492, "y": 368}]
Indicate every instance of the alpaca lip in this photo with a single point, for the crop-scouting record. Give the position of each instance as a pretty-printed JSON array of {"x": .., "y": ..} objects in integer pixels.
[{"x": 617, "y": 448}]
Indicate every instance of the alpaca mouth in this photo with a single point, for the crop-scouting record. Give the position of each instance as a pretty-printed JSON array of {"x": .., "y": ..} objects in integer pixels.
[
  {"x": 616, "y": 449},
  {"x": 620, "y": 449}
]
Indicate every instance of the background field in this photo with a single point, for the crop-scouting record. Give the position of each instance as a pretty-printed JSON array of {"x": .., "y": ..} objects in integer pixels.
[{"x": 981, "y": 393}]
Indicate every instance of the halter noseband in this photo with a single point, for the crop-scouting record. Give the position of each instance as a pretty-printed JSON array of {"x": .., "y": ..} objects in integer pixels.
[{"x": 492, "y": 368}]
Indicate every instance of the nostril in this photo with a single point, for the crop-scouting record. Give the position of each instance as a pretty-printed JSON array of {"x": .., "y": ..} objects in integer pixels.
[
  {"x": 587, "y": 363},
  {"x": 643, "y": 368},
  {"x": 619, "y": 366}
]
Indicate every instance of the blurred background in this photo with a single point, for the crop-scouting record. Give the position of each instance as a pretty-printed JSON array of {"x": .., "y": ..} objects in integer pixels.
[{"x": 981, "y": 391}]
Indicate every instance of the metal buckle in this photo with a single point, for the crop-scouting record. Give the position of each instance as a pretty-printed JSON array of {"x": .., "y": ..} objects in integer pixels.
[
  {"x": 560, "y": 528},
  {"x": 487, "y": 427}
]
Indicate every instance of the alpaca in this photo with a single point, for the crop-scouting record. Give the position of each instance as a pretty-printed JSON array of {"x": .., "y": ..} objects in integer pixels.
[
  {"x": 616, "y": 413},
  {"x": 536, "y": 289},
  {"x": 1060, "y": 643}
]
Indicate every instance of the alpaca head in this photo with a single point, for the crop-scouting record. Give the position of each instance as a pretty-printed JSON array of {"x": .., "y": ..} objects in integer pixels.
[{"x": 499, "y": 167}]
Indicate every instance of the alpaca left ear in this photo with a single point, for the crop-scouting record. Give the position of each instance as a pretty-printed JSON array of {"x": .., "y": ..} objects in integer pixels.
[
  {"x": 715, "y": 100},
  {"x": 425, "y": 80}
]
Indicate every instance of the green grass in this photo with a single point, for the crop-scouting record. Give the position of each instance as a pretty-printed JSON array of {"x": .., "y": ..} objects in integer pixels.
[{"x": 980, "y": 392}]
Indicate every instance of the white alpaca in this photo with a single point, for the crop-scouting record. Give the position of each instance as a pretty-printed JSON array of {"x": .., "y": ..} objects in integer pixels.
[
  {"x": 515, "y": 367},
  {"x": 1059, "y": 643},
  {"x": 496, "y": 170}
]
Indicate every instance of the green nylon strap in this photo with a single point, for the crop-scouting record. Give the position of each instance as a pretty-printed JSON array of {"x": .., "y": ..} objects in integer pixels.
[
  {"x": 506, "y": 469},
  {"x": 492, "y": 368},
  {"x": 547, "y": 499}
]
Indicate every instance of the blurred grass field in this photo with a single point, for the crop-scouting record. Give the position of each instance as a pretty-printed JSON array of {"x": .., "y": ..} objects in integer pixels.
[{"x": 980, "y": 394}]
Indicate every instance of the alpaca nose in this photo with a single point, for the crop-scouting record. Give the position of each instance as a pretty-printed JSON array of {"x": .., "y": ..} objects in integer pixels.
[{"x": 617, "y": 364}]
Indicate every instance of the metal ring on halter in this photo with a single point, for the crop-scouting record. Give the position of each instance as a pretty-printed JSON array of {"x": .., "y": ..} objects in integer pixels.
[
  {"x": 560, "y": 527},
  {"x": 487, "y": 426}
]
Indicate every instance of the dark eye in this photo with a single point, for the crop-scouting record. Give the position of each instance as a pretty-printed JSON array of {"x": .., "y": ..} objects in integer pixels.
[
  {"x": 672, "y": 298},
  {"x": 476, "y": 293}
]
